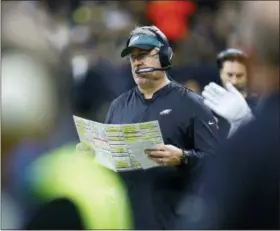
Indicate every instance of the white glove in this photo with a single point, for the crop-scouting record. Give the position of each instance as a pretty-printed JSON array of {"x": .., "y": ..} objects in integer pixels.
[{"x": 227, "y": 103}]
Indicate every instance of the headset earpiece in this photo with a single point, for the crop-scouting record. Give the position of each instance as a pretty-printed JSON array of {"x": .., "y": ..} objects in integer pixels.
[{"x": 166, "y": 52}]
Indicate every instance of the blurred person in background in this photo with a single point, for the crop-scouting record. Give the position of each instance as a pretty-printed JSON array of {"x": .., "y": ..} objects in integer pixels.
[
  {"x": 26, "y": 89},
  {"x": 240, "y": 184},
  {"x": 68, "y": 189},
  {"x": 189, "y": 130},
  {"x": 47, "y": 37},
  {"x": 234, "y": 73}
]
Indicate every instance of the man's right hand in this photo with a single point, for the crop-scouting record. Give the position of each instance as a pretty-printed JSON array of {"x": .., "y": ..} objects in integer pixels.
[{"x": 85, "y": 149}]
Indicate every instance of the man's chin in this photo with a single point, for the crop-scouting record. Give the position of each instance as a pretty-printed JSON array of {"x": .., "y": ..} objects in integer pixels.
[{"x": 142, "y": 80}]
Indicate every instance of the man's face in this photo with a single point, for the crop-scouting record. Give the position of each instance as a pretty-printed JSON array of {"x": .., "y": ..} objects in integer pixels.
[
  {"x": 142, "y": 58},
  {"x": 235, "y": 73}
]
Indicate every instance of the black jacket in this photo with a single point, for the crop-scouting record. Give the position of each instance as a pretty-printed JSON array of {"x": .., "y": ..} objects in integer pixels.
[{"x": 186, "y": 123}]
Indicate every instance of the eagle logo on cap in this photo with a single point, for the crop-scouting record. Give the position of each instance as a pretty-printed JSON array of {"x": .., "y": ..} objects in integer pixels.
[{"x": 133, "y": 39}]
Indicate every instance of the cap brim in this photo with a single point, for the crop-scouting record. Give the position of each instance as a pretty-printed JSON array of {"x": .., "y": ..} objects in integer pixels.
[{"x": 128, "y": 50}]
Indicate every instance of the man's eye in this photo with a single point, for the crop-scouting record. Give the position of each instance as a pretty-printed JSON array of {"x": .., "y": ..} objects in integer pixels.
[{"x": 138, "y": 56}]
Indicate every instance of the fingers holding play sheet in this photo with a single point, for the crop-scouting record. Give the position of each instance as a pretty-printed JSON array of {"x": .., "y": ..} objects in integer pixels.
[{"x": 165, "y": 154}]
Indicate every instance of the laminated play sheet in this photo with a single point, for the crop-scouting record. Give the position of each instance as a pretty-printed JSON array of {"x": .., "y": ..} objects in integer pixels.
[{"x": 120, "y": 147}]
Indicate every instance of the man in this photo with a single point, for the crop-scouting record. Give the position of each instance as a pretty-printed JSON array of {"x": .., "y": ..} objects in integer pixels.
[
  {"x": 240, "y": 184},
  {"x": 233, "y": 68},
  {"x": 188, "y": 127}
]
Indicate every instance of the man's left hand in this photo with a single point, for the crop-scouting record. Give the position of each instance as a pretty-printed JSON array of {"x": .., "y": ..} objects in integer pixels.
[{"x": 167, "y": 155}]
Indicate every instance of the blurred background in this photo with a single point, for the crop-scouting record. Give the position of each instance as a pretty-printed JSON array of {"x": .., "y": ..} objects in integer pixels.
[{"x": 78, "y": 44}]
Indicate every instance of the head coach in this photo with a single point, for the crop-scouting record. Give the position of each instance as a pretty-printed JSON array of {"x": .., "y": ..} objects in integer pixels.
[{"x": 188, "y": 127}]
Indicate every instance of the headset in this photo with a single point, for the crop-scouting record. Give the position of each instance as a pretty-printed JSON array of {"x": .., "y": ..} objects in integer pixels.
[{"x": 165, "y": 52}]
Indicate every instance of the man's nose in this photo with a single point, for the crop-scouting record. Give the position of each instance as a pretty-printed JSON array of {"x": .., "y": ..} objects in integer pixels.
[
  {"x": 233, "y": 80},
  {"x": 137, "y": 62}
]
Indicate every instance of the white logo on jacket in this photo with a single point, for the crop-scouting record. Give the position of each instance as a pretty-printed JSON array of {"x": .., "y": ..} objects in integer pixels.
[{"x": 165, "y": 112}]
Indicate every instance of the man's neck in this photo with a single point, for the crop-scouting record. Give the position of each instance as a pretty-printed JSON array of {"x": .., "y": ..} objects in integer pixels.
[{"x": 149, "y": 92}]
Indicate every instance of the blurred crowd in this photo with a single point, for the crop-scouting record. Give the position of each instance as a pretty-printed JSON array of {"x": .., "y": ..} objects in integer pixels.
[
  {"x": 91, "y": 34},
  {"x": 81, "y": 41}
]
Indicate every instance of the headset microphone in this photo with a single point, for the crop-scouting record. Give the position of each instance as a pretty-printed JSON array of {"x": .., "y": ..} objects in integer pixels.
[{"x": 150, "y": 69}]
